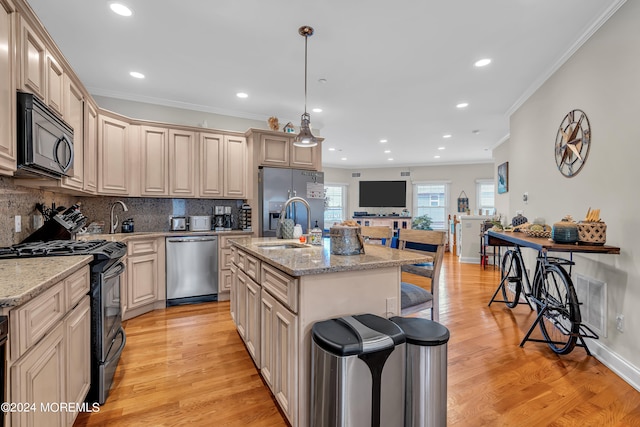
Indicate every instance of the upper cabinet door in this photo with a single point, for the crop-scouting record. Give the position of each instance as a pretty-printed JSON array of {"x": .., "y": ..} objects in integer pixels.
[
  {"x": 274, "y": 150},
  {"x": 55, "y": 86},
  {"x": 305, "y": 157},
  {"x": 182, "y": 162},
  {"x": 74, "y": 116},
  {"x": 235, "y": 166},
  {"x": 211, "y": 172},
  {"x": 113, "y": 156},
  {"x": 91, "y": 148},
  {"x": 7, "y": 92},
  {"x": 154, "y": 165},
  {"x": 32, "y": 61}
]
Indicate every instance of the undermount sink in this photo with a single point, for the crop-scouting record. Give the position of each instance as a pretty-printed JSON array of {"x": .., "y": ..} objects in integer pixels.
[{"x": 282, "y": 245}]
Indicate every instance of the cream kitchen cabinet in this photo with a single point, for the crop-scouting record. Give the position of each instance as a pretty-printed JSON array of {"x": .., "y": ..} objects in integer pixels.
[
  {"x": 247, "y": 301},
  {"x": 74, "y": 116},
  {"x": 154, "y": 167},
  {"x": 55, "y": 85},
  {"x": 7, "y": 90},
  {"x": 50, "y": 360},
  {"x": 113, "y": 156},
  {"x": 145, "y": 270},
  {"x": 223, "y": 165},
  {"x": 279, "y": 354},
  {"x": 225, "y": 263},
  {"x": 90, "y": 182},
  {"x": 182, "y": 161},
  {"x": 277, "y": 149}
]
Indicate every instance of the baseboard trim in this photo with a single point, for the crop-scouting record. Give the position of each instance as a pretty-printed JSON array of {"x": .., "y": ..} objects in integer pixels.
[{"x": 629, "y": 373}]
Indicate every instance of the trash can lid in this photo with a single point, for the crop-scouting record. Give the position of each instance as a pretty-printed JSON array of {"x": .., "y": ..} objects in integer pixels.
[
  {"x": 423, "y": 332},
  {"x": 355, "y": 335}
]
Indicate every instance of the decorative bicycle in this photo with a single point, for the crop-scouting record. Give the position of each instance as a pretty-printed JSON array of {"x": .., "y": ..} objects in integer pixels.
[{"x": 553, "y": 296}]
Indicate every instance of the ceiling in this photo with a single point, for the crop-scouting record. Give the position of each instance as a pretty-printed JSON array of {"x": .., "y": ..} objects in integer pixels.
[{"x": 393, "y": 70}]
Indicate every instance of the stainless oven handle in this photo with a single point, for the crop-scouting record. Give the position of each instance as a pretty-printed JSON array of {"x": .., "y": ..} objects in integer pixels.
[
  {"x": 117, "y": 353},
  {"x": 64, "y": 139},
  {"x": 114, "y": 271}
]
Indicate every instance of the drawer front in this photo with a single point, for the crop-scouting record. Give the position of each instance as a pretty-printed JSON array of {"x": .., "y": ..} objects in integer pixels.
[
  {"x": 33, "y": 320},
  {"x": 282, "y": 286},
  {"x": 225, "y": 258},
  {"x": 224, "y": 241},
  {"x": 248, "y": 264},
  {"x": 142, "y": 247},
  {"x": 77, "y": 286},
  {"x": 234, "y": 255}
]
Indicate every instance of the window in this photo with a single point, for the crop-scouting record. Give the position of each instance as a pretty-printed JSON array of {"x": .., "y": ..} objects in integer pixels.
[
  {"x": 335, "y": 204},
  {"x": 485, "y": 190},
  {"x": 432, "y": 199}
]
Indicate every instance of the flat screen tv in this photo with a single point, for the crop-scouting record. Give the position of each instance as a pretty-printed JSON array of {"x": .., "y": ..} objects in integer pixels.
[{"x": 383, "y": 194}]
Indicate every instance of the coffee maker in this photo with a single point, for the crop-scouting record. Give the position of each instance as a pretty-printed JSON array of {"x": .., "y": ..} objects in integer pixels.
[
  {"x": 219, "y": 218},
  {"x": 227, "y": 218}
]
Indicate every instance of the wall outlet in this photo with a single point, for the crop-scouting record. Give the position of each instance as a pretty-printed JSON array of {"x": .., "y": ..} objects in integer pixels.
[
  {"x": 620, "y": 322},
  {"x": 525, "y": 197},
  {"x": 37, "y": 221},
  {"x": 392, "y": 306},
  {"x": 18, "y": 226}
]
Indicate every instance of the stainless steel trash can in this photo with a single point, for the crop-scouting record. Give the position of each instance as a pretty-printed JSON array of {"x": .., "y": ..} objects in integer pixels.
[
  {"x": 426, "y": 370},
  {"x": 357, "y": 372}
]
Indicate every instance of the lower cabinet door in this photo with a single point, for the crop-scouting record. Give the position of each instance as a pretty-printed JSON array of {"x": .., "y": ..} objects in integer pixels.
[
  {"x": 233, "y": 299},
  {"x": 78, "y": 348},
  {"x": 267, "y": 315},
  {"x": 252, "y": 335},
  {"x": 241, "y": 305},
  {"x": 38, "y": 378}
]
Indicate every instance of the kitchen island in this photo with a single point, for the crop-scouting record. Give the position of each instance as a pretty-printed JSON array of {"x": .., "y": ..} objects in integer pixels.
[{"x": 280, "y": 289}]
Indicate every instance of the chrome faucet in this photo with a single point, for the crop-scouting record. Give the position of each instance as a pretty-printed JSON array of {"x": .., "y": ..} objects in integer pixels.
[
  {"x": 283, "y": 212},
  {"x": 114, "y": 220}
]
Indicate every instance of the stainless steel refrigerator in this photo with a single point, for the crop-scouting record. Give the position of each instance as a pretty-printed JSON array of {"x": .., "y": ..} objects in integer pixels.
[{"x": 277, "y": 185}]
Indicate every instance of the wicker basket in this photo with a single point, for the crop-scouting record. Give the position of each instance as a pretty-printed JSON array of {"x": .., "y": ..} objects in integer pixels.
[
  {"x": 544, "y": 233},
  {"x": 592, "y": 233}
]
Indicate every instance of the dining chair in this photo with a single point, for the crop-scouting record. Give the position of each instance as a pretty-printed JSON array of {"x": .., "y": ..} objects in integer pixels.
[
  {"x": 377, "y": 232},
  {"x": 413, "y": 297}
]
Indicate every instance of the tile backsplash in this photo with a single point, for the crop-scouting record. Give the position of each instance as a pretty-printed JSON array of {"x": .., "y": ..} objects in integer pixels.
[{"x": 148, "y": 214}]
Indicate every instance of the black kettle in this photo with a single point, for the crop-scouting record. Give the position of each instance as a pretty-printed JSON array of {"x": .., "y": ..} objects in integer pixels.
[{"x": 127, "y": 225}]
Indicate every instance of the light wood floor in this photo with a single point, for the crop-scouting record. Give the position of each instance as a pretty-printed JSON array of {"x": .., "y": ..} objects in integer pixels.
[{"x": 187, "y": 366}]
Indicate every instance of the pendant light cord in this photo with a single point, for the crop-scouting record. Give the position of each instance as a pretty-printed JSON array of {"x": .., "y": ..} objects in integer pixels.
[{"x": 306, "y": 37}]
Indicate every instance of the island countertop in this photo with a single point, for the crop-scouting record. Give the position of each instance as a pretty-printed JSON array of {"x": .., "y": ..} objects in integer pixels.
[
  {"x": 319, "y": 259},
  {"x": 21, "y": 279}
]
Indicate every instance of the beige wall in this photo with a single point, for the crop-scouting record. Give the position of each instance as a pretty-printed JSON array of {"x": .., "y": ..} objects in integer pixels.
[{"x": 603, "y": 79}]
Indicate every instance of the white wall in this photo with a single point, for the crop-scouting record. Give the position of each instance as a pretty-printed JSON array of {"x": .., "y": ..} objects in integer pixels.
[
  {"x": 460, "y": 177},
  {"x": 603, "y": 79}
]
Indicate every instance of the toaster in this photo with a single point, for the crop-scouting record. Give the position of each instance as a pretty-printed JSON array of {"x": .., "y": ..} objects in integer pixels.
[
  {"x": 200, "y": 223},
  {"x": 178, "y": 223}
]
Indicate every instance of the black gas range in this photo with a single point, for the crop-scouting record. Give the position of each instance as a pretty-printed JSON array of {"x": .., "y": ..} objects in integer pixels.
[{"x": 107, "y": 334}]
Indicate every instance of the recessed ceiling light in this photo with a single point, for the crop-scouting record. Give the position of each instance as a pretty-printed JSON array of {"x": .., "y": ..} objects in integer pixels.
[
  {"x": 436, "y": 157},
  {"x": 137, "y": 75},
  {"x": 322, "y": 81},
  {"x": 383, "y": 141},
  {"x": 387, "y": 151},
  {"x": 317, "y": 110},
  {"x": 440, "y": 148},
  {"x": 462, "y": 105},
  {"x": 120, "y": 9},
  {"x": 343, "y": 158},
  {"x": 483, "y": 62},
  {"x": 390, "y": 158},
  {"x": 332, "y": 149},
  {"x": 447, "y": 135},
  {"x": 242, "y": 95}
]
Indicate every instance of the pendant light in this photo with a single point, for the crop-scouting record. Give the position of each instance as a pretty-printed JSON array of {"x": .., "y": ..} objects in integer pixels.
[{"x": 305, "y": 138}]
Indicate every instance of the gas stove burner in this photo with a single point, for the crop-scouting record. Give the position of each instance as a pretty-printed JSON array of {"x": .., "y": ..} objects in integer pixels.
[{"x": 100, "y": 249}]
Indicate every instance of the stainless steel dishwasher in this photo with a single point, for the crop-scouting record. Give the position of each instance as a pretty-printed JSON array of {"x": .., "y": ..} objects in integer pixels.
[{"x": 192, "y": 269}]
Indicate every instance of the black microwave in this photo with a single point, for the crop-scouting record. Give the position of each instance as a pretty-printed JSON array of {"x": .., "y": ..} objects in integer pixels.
[{"x": 45, "y": 142}]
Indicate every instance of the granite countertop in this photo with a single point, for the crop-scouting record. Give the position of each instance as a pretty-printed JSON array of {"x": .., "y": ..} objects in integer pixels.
[
  {"x": 123, "y": 237},
  {"x": 21, "y": 279},
  {"x": 319, "y": 259}
]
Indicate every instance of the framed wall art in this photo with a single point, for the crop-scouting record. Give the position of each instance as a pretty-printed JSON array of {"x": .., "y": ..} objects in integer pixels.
[{"x": 503, "y": 178}]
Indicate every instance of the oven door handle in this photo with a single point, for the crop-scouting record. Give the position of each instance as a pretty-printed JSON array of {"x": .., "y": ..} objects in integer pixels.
[
  {"x": 119, "y": 352},
  {"x": 114, "y": 271}
]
